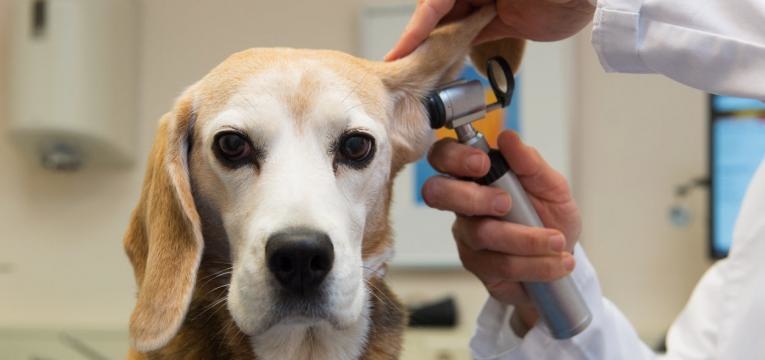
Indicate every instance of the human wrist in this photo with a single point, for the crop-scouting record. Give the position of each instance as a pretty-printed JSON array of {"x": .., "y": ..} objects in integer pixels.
[{"x": 524, "y": 318}]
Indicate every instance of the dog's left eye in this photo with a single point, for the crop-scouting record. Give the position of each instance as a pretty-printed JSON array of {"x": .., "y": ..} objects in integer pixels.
[
  {"x": 356, "y": 149},
  {"x": 233, "y": 148}
]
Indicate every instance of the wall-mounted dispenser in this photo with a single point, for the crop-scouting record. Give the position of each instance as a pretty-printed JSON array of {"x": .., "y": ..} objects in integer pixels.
[{"x": 72, "y": 93}]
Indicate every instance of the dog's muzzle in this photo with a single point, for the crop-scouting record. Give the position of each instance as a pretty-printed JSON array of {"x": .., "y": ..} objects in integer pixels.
[{"x": 300, "y": 260}]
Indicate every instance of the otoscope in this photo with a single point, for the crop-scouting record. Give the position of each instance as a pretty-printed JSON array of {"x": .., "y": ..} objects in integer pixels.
[{"x": 456, "y": 106}]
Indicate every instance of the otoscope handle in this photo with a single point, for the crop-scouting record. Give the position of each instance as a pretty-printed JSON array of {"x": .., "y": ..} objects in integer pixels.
[{"x": 560, "y": 304}]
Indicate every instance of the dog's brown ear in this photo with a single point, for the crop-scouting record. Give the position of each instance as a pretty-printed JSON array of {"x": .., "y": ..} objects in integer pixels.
[
  {"x": 436, "y": 61},
  {"x": 163, "y": 240},
  {"x": 510, "y": 49}
]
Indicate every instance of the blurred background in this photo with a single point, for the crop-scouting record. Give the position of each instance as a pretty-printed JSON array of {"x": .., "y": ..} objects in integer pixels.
[{"x": 627, "y": 144}]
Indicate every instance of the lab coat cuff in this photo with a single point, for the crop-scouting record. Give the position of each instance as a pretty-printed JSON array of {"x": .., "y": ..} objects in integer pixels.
[
  {"x": 616, "y": 36},
  {"x": 494, "y": 337}
]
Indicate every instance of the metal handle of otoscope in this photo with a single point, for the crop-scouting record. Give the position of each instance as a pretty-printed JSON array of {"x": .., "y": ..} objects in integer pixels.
[{"x": 455, "y": 106}]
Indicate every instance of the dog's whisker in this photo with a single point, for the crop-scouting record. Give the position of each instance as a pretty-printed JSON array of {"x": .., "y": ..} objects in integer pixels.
[
  {"x": 219, "y": 287},
  {"x": 381, "y": 295},
  {"x": 373, "y": 294},
  {"x": 218, "y": 302},
  {"x": 377, "y": 293},
  {"x": 227, "y": 263},
  {"x": 225, "y": 330},
  {"x": 209, "y": 278},
  {"x": 217, "y": 274},
  {"x": 378, "y": 272},
  {"x": 215, "y": 304},
  {"x": 219, "y": 265}
]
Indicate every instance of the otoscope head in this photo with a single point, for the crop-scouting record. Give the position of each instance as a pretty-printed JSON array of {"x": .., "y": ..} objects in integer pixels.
[
  {"x": 456, "y": 104},
  {"x": 462, "y": 102}
]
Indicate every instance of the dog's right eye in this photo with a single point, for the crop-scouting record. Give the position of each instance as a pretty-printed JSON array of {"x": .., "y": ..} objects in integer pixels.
[{"x": 233, "y": 149}]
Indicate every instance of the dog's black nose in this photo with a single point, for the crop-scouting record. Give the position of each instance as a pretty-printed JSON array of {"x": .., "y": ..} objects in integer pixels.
[{"x": 300, "y": 259}]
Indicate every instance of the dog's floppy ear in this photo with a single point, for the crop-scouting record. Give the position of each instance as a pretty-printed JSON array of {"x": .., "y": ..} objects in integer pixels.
[
  {"x": 163, "y": 240},
  {"x": 436, "y": 61},
  {"x": 510, "y": 49}
]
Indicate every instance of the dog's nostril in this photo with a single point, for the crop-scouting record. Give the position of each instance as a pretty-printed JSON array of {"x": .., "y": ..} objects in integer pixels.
[
  {"x": 284, "y": 264},
  {"x": 318, "y": 263},
  {"x": 300, "y": 259}
]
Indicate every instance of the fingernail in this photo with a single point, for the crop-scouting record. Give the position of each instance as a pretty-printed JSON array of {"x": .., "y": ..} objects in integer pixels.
[
  {"x": 432, "y": 191},
  {"x": 475, "y": 163},
  {"x": 557, "y": 243},
  {"x": 568, "y": 263},
  {"x": 501, "y": 204}
]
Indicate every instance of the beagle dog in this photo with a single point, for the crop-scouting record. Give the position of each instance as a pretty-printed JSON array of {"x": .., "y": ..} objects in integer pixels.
[{"x": 262, "y": 229}]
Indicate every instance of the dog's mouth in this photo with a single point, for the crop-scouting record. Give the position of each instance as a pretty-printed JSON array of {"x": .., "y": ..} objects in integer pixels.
[
  {"x": 300, "y": 311},
  {"x": 305, "y": 309}
]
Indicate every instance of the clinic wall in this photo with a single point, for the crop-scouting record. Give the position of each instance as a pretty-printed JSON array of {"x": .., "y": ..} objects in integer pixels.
[{"x": 635, "y": 137}]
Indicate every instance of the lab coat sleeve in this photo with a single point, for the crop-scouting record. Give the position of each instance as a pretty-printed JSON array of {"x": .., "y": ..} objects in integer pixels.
[
  {"x": 609, "y": 336},
  {"x": 714, "y": 45},
  {"x": 694, "y": 334}
]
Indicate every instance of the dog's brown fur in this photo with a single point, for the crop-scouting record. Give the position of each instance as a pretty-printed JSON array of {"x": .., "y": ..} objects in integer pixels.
[{"x": 177, "y": 245}]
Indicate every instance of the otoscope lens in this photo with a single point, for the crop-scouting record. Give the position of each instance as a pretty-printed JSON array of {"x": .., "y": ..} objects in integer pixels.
[{"x": 436, "y": 110}]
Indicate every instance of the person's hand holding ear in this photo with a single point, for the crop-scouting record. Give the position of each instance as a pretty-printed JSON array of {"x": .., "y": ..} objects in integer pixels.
[
  {"x": 499, "y": 253},
  {"x": 539, "y": 20}
]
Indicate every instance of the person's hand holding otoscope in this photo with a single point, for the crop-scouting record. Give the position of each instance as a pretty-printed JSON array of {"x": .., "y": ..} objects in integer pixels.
[
  {"x": 520, "y": 250},
  {"x": 527, "y": 254}
]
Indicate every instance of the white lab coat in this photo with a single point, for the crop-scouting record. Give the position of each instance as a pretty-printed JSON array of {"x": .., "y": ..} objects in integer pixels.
[{"x": 713, "y": 45}]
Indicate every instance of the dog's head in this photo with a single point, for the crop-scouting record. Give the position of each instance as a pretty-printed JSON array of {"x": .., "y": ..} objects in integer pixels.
[{"x": 291, "y": 153}]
